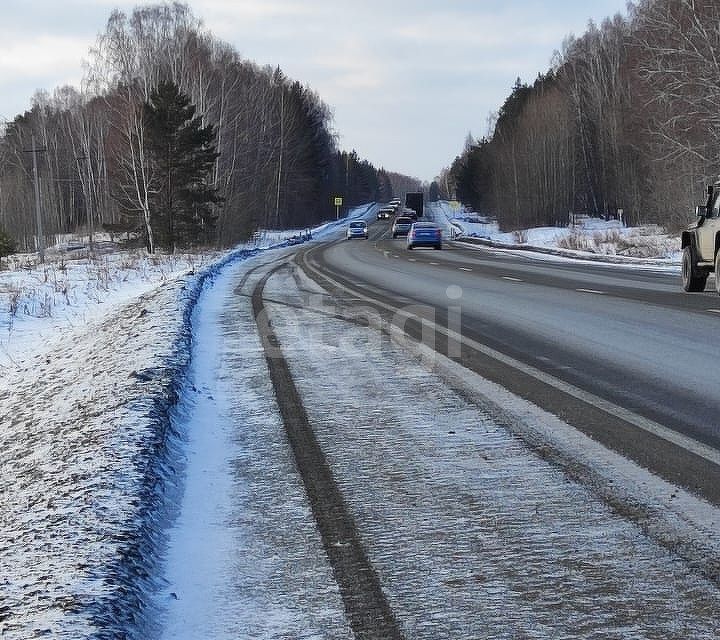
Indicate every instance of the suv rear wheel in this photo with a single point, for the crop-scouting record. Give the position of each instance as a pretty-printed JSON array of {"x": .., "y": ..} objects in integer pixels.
[{"x": 693, "y": 279}]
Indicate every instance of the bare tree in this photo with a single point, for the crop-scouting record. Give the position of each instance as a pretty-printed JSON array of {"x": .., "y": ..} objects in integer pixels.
[
  {"x": 680, "y": 40},
  {"x": 277, "y": 164}
]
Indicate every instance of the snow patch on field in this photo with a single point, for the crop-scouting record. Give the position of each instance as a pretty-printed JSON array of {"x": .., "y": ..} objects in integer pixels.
[
  {"x": 39, "y": 301},
  {"x": 586, "y": 236}
]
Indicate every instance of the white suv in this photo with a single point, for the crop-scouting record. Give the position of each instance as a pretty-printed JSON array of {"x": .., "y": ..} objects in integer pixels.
[{"x": 700, "y": 244}]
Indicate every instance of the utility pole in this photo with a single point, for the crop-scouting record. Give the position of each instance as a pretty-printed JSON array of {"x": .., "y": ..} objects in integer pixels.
[
  {"x": 280, "y": 160},
  {"x": 38, "y": 214},
  {"x": 87, "y": 192}
]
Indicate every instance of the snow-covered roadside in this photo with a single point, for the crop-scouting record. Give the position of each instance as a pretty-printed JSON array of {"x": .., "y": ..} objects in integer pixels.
[
  {"x": 92, "y": 356},
  {"x": 89, "y": 463},
  {"x": 245, "y": 559},
  {"x": 83, "y": 445},
  {"x": 595, "y": 239}
]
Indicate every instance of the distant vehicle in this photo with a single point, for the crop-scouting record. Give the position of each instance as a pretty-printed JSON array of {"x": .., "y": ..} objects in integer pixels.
[
  {"x": 414, "y": 200},
  {"x": 424, "y": 234},
  {"x": 410, "y": 213},
  {"x": 395, "y": 202},
  {"x": 401, "y": 226},
  {"x": 296, "y": 239},
  {"x": 385, "y": 212},
  {"x": 357, "y": 229}
]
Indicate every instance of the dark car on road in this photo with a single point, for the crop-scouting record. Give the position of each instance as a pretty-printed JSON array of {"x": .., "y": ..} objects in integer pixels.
[
  {"x": 401, "y": 226},
  {"x": 424, "y": 234}
]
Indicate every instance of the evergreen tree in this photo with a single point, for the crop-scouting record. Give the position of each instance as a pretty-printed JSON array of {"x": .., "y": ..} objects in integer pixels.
[
  {"x": 7, "y": 245},
  {"x": 182, "y": 152}
]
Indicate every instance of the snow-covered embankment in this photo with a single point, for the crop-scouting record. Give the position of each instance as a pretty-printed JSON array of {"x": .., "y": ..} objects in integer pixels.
[{"x": 89, "y": 456}]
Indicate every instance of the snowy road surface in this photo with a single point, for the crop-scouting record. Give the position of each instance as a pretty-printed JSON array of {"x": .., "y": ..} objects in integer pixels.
[
  {"x": 474, "y": 534},
  {"x": 245, "y": 559}
]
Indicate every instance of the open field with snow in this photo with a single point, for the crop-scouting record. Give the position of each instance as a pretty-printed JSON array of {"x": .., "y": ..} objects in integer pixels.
[{"x": 38, "y": 301}]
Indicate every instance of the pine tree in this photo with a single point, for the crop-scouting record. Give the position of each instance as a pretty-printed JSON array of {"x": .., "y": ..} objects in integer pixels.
[
  {"x": 184, "y": 202},
  {"x": 7, "y": 245}
]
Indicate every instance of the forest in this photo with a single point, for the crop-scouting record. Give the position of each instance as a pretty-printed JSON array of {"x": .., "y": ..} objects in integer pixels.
[
  {"x": 625, "y": 123},
  {"x": 249, "y": 148}
]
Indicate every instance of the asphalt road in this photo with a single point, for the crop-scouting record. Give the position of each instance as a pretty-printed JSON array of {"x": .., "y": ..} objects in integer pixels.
[{"x": 619, "y": 352}]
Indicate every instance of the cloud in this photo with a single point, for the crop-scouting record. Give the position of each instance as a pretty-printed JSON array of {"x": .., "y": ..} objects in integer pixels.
[
  {"x": 270, "y": 18},
  {"x": 478, "y": 30},
  {"x": 348, "y": 65},
  {"x": 44, "y": 55}
]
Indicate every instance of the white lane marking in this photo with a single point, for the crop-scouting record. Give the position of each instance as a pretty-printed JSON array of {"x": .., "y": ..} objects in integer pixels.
[
  {"x": 595, "y": 291},
  {"x": 511, "y": 279},
  {"x": 412, "y": 259},
  {"x": 464, "y": 269},
  {"x": 434, "y": 263},
  {"x": 713, "y": 310}
]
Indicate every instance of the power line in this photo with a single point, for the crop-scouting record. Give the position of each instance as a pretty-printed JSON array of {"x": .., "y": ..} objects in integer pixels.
[{"x": 38, "y": 214}]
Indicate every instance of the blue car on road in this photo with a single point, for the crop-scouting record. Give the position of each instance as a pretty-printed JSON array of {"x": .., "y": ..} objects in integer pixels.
[{"x": 424, "y": 234}]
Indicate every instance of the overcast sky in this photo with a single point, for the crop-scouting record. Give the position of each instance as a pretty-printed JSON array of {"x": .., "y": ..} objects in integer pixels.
[{"x": 406, "y": 79}]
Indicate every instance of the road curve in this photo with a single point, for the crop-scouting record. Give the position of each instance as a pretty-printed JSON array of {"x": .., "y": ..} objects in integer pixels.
[{"x": 618, "y": 352}]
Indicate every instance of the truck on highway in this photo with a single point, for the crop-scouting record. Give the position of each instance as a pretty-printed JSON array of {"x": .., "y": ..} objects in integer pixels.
[
  {"x": 414, "y": 200},
  {"x": 700, "y": 245}
]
